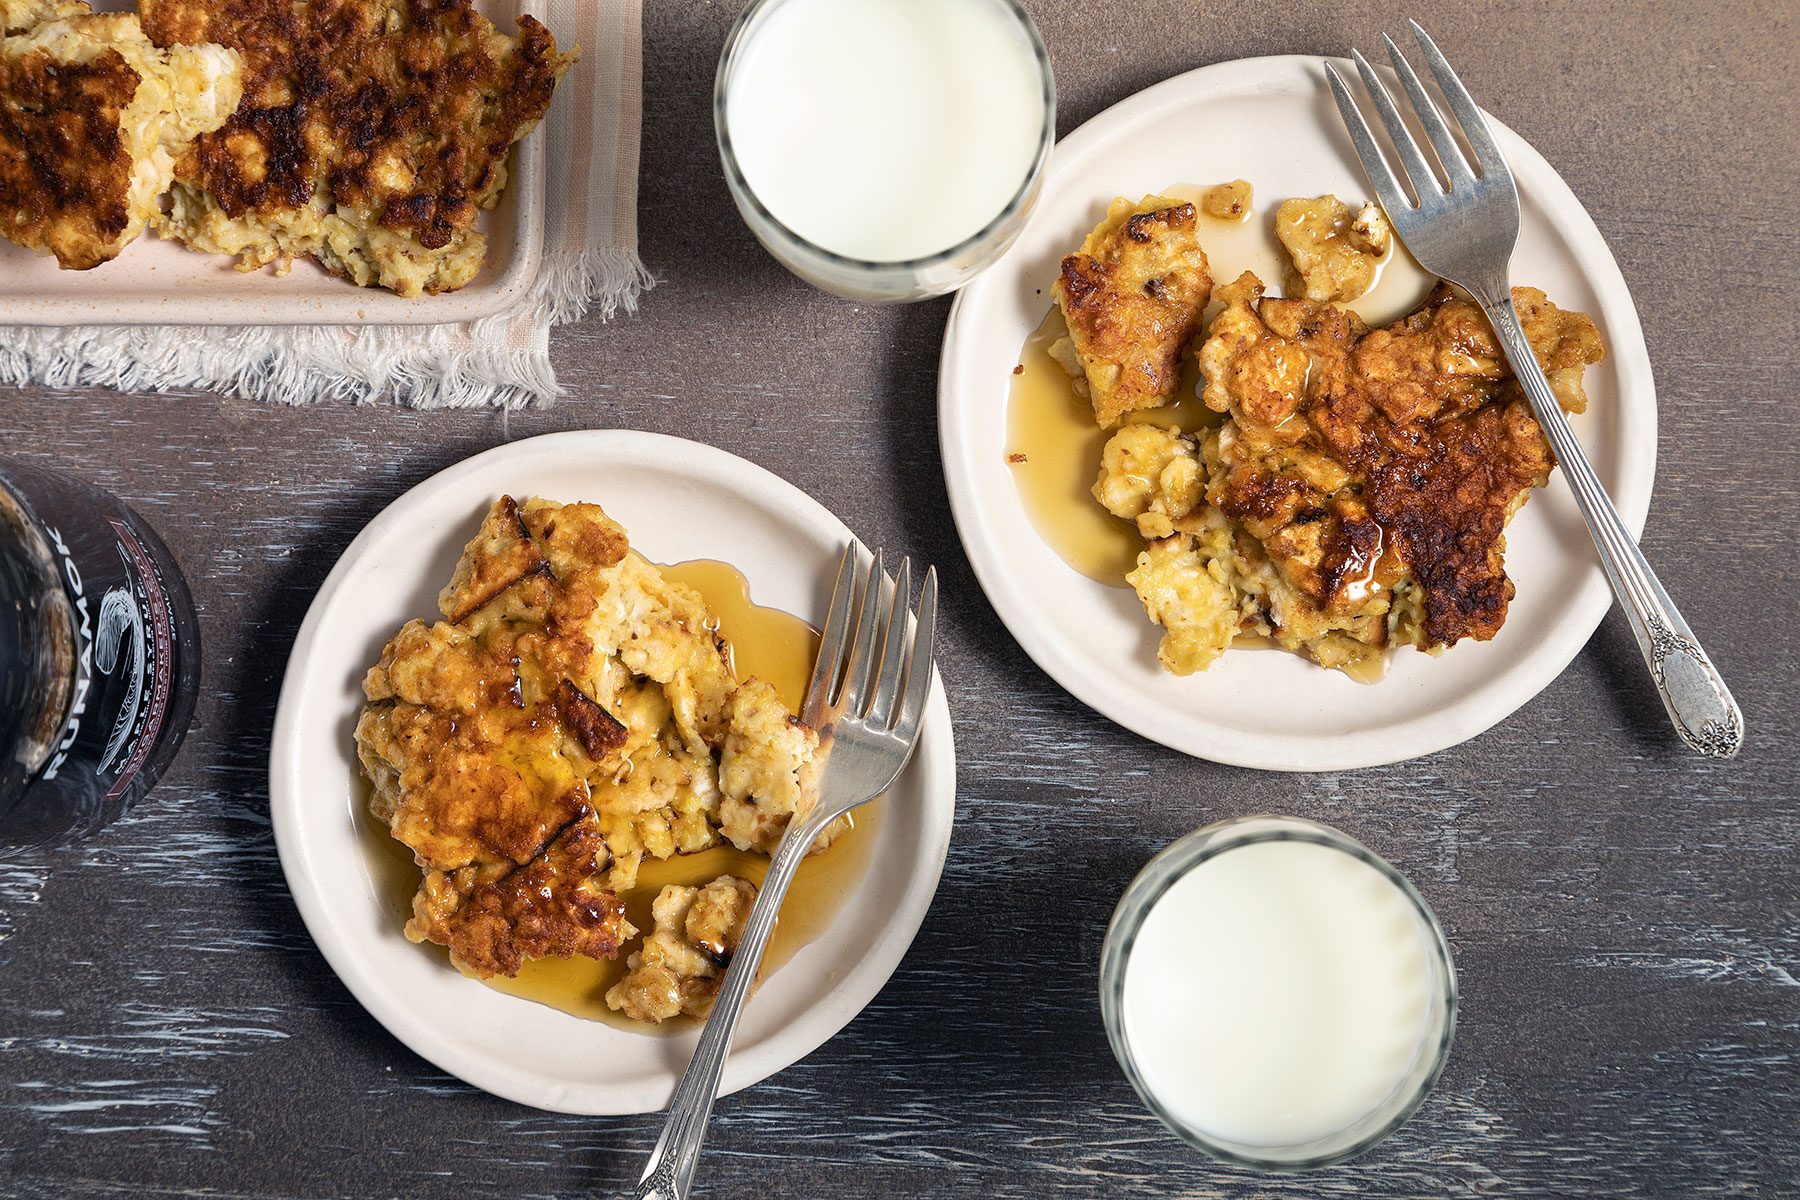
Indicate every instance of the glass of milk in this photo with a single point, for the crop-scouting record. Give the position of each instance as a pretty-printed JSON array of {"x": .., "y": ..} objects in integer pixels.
[
  {"x": 1278, "y": 995},
  {"x": 885, "y": 150}
]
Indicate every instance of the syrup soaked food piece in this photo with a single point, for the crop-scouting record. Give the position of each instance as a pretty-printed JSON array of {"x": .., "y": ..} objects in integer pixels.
[
  {"x": 1228, "y": 201},
  {"x": 1133, "y": 296},
  {"x": 1335, "y": 254},
  {"x": 1358, "y": 493},
  {"x": 778, "y": 648},
  {"x": 575, "y": 715},
  {"x": 678, "y": 971}
]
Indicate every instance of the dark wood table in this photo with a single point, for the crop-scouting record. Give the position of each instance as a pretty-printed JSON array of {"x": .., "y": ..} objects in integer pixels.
[{"x": 1625, "y": 918}]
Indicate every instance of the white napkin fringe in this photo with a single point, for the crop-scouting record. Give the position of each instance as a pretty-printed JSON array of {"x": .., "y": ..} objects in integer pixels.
[
  {"x": 418, "y": 366},
  {"x": 590, "y": 265},
  {"x": 431, "y": 366},
  {"x": 608, "y": 279}
]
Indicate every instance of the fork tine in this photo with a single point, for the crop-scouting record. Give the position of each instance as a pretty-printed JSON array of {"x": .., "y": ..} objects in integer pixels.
[
  {"x": 1387, "y": 189},
  {"x": 866, "y": 647},
  {"x": 1488, "y": 159},
  {"x": 919, "y": 661},
  {"x": 1425, "y": 183},
  {"x": 893, "y": 653},
  {"x": 1449, "y": 154},
  {"x": 834, "y": 643}
]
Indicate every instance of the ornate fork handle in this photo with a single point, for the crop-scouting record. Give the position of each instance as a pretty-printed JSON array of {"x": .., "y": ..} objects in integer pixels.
[
  {"x": 670, "y": 1172},
  {"x": 1699, "y": 703}
]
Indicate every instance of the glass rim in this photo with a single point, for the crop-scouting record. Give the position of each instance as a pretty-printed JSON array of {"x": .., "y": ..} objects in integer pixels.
[
  {"x": 740, "y": 184},
  {"x": 1173, "y": 863}
]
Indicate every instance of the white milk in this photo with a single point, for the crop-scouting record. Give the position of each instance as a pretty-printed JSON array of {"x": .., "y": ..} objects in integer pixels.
[
  {"x": 1277, "y": 993},
  {"x": 886, "y": 130}
]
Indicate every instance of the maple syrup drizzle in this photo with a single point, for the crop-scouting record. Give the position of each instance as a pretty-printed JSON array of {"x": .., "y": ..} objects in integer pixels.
[
  {"x": 1053, "y": 446},
  {"x": 776, "y": 647}
]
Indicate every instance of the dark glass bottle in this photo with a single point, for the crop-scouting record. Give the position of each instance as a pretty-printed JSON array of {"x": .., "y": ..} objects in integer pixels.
[{"x": 99, "y": 657}]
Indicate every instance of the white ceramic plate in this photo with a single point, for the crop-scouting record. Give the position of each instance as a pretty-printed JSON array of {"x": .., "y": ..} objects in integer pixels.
[
  {"x": 679, "y": 500},
  {"x": 1272, "y": 121},
  {"x": 154, "y": 282}
]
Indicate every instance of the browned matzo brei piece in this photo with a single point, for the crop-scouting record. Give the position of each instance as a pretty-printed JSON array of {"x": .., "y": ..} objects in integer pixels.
[
  {"x": 573, "y": 714},
  {"x": 1356, "y": 495},
  {"x": 1228, "y": 201},
  {"x": 1334, "y": 252},
  {"x": 371, "y": 134},
  {"x": 1133, "y": 297},
  {"x": 682, "y": 963},
  {"x": 91, "y": 116}
]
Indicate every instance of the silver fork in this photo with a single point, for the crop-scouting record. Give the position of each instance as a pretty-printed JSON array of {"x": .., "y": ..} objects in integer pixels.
[
  {"x": 867, "y": 700},
  {"x": 1466, "y": 232}
]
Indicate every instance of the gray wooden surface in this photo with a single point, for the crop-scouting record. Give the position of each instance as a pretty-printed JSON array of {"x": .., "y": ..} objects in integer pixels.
[{"x": 1626, "y": 920}]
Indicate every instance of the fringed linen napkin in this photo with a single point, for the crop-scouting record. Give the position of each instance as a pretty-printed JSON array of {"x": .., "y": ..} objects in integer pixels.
[{"x": 590, "y": 262}]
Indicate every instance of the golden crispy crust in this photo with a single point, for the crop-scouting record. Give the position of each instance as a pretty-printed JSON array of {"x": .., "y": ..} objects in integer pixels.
[
  {"x": 548, "y": 908},
  {"x": 480, "y": 769},
  {"x": 572, "y": 540},
  {"x": 65, "y": 170},
  {"x": 1357, "y": 457},
  {"x": 90, "y": 114},
  {"x": 501, "y": 554},
  {"x": 402, "y": 108},
  {"x": 600, "y": 733},
  {"x": 576, "y": 714},
  {"x": 1133, "y": 298},
  {"x": 1444, "y": 496}
]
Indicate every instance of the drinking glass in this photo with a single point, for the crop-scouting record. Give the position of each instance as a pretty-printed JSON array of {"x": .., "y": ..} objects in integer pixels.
[
  {"x": 1186, "y": 855},
  {"x": 860, "y": 279}
]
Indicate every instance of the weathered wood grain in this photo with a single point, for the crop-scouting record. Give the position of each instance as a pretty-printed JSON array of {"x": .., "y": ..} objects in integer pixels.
[{"x": 1626, "y": 920}]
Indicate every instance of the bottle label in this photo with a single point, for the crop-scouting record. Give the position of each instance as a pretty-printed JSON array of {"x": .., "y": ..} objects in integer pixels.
[
  {"x": 99, "y": 657},
  {"x": 125, "y": 642}
]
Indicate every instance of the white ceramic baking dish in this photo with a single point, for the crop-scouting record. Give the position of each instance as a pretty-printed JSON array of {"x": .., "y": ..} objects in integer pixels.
[{"x": 163, "y": 283}]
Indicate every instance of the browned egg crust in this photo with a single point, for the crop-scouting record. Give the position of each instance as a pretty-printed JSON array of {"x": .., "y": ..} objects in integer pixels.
[
  {"x": 573, "y": 715},
  {"x": 1133, "y": 298},
  {"x": 1431, "y": 442},
  {"x": 490, "y": 738},
  {"x": 65, "y": 171},
  {"x": 396, "y": 106},
  {"x": 548, "y": 908}
]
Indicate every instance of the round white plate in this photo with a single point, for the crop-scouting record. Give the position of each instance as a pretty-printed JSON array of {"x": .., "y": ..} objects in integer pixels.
[
  {"x": 1272, "y": 121},
  {"x": 678, "y": 500}
]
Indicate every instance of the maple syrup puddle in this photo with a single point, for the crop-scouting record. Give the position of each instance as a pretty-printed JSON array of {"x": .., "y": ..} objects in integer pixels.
[
  {"x": 778, "y": 648},
  {"x": 1053, "y": 447}
]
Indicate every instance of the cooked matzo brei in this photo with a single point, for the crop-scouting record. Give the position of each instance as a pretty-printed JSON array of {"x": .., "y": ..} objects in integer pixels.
[
  {"x": 1335, "y": 254},
  {"x": 1133, "y": 296},
  {"x": 371, "y": 134},
  {"x": 91, "y": 117},
  {"x": 1338, "y": 490},
  {"x": 678, "y": 970},
  {"x": 573, "y": 713},
  {"x": 1357, "y": 493}
]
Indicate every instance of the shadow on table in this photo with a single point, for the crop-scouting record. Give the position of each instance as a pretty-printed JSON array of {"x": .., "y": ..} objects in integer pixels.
[
  {"x": 1628, "y": 692},
  {"x": 252, "y": 681}
]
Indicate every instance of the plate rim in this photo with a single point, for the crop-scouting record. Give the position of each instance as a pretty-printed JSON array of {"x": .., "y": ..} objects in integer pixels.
[
  {"x": 854, "y": 990},
  {"x": 1593, "y": 258}
]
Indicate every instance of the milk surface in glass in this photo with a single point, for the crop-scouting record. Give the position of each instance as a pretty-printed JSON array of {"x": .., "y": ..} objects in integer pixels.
[
  {"x": 886, "y": 130},
  {"x": 1277, "y": 993}
]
